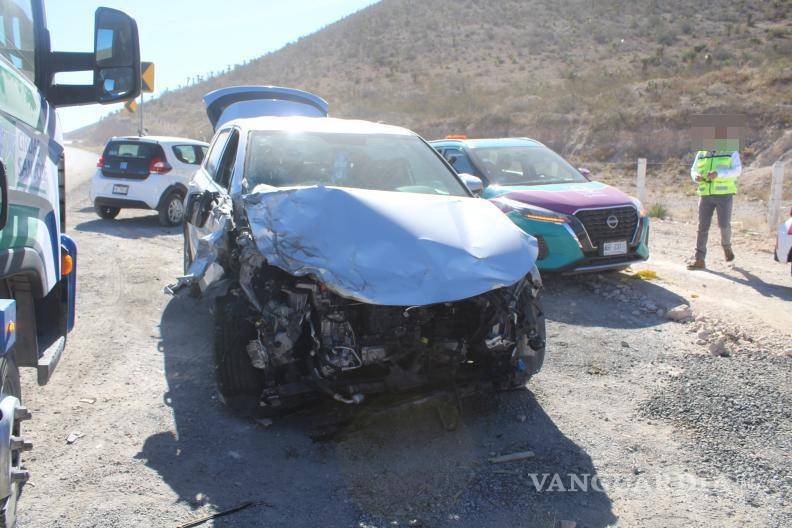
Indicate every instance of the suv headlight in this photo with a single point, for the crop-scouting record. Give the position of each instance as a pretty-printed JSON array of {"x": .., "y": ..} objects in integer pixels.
[
  {"x": 531, "y": 212},
  {"x": 638, "y": 205}
]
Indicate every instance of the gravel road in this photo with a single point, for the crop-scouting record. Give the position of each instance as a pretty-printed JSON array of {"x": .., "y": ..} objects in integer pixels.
[{"x": 632, "y": 422}]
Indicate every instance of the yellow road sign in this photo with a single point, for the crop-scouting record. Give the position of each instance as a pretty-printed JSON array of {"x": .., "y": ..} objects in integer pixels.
[
  {"x": 131, "y": 106},
  {"x": 147, "y": 76}
]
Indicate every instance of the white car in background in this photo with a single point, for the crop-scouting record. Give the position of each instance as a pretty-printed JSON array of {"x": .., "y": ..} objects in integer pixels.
[
  {"x": 783, "y": 252},
  {"x": 148, "y": 172}
]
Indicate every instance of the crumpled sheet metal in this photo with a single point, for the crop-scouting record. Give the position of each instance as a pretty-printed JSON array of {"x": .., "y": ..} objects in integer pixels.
[
  {"x": 208, "y": 249},
  {"x": 390, "y": 248}
]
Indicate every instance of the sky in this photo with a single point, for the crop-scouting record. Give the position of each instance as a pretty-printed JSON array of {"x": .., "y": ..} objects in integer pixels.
[{"x": 184, "y": 38}]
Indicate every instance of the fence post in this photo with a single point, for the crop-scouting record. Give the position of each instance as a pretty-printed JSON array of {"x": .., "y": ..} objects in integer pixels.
[
  {"x": 776, "y": 189},
  {"x": 640, "y": 180}
]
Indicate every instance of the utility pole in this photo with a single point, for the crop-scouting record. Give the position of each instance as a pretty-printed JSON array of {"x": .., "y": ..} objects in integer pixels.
[{"x": 140, "y": 127}]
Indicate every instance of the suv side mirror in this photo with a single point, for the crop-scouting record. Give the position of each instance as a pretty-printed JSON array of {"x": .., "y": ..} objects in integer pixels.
[
  {"x": 473, "y": 183},
  {"x": 585, "y": 172},
  {"x": 198, "y": 207},
  {"x": 115, "y": 64}
]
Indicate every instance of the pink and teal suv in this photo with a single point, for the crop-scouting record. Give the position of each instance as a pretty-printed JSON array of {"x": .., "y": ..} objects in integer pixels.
[{"x": 581, "y": 225}]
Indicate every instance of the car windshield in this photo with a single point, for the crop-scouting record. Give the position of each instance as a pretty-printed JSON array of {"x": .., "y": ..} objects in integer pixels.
[
  {"x": 524, "y": 166},
  {"x": 384, "y": 162}
]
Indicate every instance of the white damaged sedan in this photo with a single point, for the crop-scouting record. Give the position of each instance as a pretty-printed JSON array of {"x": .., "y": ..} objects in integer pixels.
[{"x": 347, "y": 258}]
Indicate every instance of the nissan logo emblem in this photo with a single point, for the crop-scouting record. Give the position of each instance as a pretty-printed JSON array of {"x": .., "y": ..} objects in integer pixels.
[{"x": 612, "y": 221}]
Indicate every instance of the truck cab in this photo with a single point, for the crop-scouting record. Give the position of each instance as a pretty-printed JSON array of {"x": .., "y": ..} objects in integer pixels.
[{"x": 37, "y": 258}]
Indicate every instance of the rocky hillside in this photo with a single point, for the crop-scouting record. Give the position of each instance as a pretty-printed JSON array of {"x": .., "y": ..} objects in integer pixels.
[{"x": 604, "y": 80}]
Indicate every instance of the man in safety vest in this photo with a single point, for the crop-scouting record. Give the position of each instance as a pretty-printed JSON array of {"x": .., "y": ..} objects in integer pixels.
[{"x": 715, "y": 172}]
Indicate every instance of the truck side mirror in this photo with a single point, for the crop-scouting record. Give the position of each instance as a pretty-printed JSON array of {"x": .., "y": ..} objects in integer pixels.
[
  {"x": 117, "y": 56},
  {"x": 115, "y": 63}
]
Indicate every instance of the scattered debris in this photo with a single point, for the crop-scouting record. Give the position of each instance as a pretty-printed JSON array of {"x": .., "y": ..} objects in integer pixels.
[
  {"x": 88, "y": 400},
  {"x": 223, "y": 513},
  {"x": 521, "y": 418},
  {"x": 263, "y": 422},
  {"x": 645, "y": 274},
  {"x": 594, "y": 370},
  {"x": 680, "y": 314},
  {"x": 73, "y": 437},
  {"x": 718, "y": 348},
  {"x": 512, "y": 457},
  {"x": 625, "y": 344}
]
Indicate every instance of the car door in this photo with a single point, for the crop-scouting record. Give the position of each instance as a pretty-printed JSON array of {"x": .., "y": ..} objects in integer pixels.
[{"x": 202, "y": 184}]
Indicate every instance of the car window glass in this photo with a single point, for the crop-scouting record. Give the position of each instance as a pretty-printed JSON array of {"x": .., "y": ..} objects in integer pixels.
[
  {"x": 226, "y": 167},
  {"x": 201, "y": 153},
  {"x": 17, "y": 35},
  {"x": 213, "y": 159},
  {"x": 385, "y": 162},
  {"x": 459, "y": 160},
  {"x": 186, "y": 154},
  {"x": 129, "y": 150},
  {"x": 525, "y": 166}
]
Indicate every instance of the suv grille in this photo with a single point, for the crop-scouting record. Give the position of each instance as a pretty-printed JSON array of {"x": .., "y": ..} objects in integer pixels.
[{"x": 598, "y": 228}]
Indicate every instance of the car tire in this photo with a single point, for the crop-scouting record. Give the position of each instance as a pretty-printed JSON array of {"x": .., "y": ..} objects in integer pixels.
[
  {"x": 107, "y": 212},
  {"x": 239, "y": 384},
  {"x": 10, "y": 385},
  {"x": 171, "y": 211}
]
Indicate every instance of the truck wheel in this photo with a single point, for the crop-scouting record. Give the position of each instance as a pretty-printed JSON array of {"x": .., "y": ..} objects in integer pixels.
[
  {"x": 10, "y": 386},
  {"x": 106, "y": 212},
  {"x": 239, "y": 384},
  {"x": 171, "y": 212}
]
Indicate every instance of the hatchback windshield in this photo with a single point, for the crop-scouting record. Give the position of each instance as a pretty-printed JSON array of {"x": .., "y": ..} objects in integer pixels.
[
  {"x": 524, "y": 166},
  {"x": 383, "y": 162}
]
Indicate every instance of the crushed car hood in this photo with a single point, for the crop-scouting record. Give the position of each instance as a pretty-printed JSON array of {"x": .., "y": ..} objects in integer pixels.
[
  {"x": 390, "y": 248},
  {"x": 566, "y": 198}
]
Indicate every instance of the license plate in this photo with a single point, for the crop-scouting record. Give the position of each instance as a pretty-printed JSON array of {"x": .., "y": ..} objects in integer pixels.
[
  {"x": 618, "y": 247},
  {"x": 120, "y": 189},
  {"x": 123, "y": 165}
]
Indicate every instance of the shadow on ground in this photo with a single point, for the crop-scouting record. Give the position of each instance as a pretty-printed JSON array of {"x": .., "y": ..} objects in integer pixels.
[
  {"x": 753, "y": 281},
  {"x": 396, "y": 466},
  {"x": 573, "y": 300},
  {"x": 133, "y": 227}
]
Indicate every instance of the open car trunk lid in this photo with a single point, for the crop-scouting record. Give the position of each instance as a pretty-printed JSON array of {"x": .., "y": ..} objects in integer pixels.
[{"x": 239, "y": 102}]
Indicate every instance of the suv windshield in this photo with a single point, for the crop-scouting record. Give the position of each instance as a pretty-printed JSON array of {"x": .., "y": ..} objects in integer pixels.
[
  {"x": 524, "y": 166},
  {"x": 383, "y": 162}
]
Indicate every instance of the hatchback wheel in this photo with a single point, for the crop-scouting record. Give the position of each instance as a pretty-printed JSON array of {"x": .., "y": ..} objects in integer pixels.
[
  {"x": 171, "y": 212},
  {"x": 108, "y": 213}
]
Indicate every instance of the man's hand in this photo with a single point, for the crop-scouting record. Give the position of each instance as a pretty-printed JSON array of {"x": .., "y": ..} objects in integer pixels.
[
  {"x": 698, "y": 178},
  {"x": 712, "y": 175}
]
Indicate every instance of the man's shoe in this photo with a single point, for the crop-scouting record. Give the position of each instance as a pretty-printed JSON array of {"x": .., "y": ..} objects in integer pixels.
[
  {"x": 729, "y": 254},
  {"x": 696, "y": 264}
]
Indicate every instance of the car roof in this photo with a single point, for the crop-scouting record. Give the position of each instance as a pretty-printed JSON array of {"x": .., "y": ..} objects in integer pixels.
[
  {"x": 488, "y": 143},
  {"x": 317, "y": 124},
  {"x": 161, "y": 139}
]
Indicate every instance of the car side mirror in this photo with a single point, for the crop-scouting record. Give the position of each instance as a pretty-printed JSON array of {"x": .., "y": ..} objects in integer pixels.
[
  {"x": 473, "y": 183},
  {"x": 585, "y": 172},
  {"x": 198, "y": 207}
]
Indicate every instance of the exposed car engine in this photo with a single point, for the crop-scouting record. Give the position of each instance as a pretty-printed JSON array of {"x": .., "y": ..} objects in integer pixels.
[{"x": 303, "y": 340}]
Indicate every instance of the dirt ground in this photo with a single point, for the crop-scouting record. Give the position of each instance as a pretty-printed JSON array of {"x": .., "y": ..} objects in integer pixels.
[{"x": 633, "y": 421}]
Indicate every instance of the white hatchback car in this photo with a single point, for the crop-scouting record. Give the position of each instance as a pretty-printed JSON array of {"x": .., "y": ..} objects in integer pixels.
[
  {"x": 148, "y": 172},
  {"x": 783, "y": 252}
]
